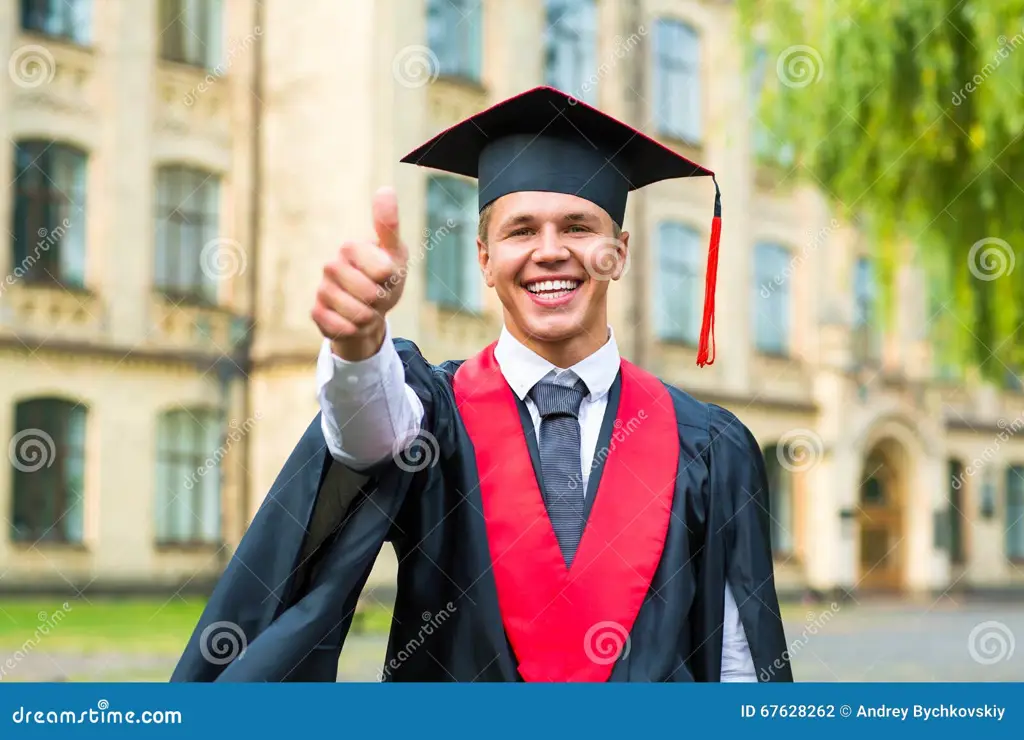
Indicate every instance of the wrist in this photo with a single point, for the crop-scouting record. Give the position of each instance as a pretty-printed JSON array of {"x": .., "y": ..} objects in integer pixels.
[{"x": 362, "y": 346}]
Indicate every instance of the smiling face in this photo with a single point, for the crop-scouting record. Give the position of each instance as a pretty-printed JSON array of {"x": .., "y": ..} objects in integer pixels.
[{"x": 550, "y": 257}]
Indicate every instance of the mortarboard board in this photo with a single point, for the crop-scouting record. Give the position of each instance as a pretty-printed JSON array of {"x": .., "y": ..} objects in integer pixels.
[{"x": 544, "y": 140}]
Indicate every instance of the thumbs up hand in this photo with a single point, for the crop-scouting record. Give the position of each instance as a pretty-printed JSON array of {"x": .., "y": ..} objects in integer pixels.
[{"x": 361, "y": 284}]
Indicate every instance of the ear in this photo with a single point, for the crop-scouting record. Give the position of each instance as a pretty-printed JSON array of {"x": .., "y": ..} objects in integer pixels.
[
  {"x": 483, "y": 257},
  {"x": 623, "y": 256}
]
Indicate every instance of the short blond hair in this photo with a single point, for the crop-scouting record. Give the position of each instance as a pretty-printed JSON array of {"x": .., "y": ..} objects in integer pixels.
[{"x": 485, "y": 222}]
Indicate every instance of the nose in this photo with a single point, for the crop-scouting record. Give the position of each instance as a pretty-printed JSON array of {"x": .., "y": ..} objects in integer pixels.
[{"x": 550, "y": 248}]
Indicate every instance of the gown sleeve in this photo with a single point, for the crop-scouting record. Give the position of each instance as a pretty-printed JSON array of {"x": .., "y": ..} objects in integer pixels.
[
  {"x": 740, "y": 522},
  {"x": 284, "y": 604}
]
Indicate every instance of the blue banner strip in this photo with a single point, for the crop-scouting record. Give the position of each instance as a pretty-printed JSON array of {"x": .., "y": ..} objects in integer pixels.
[{"x": 525, "y": 712}]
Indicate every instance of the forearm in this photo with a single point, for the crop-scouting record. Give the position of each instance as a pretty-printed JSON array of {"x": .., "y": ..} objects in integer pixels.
[{"x": 368, "y": 413}]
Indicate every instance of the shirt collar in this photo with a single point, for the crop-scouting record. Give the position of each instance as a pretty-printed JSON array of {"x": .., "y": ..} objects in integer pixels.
[{"x": 522, "y": 367}]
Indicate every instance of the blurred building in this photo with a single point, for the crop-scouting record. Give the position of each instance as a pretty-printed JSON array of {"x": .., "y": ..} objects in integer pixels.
[{"x": 181, "y": 170}]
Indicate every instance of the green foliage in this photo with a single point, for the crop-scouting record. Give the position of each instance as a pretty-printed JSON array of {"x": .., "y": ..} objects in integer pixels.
[{"x": 910, "y": 116}]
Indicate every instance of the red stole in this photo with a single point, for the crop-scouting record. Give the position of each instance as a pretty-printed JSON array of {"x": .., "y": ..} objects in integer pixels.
[{"x": 572, "y": 624}]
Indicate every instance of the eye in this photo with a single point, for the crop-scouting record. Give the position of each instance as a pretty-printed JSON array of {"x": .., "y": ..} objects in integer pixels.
[
  {"x": 524, "y": 231},
  {"x": 578, "y": 229}
]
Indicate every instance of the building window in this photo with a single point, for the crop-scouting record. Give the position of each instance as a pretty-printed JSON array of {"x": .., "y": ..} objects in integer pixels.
[
  {"x": 453, "y": 273},
  {"x": 867, "y": 339},
  {"x": 677, "y": 88},
  {"x": 956, "y": 521},
  {"x": 454, "y": 32},
  {"x": 49, "y": 213},
  {"x": 189, "y": 450},
  {"x": 570, "y": 46},
  {"x": 190, "y": 32},
  {"x": 187, "y": 221},
  {"x": 771, "y": 299},
  {"x": 66, "y": 19},
  {"x": 677, "y": 295},
  {"x": 780, "y": 501},
  {"x": 1015, "y": 512},
  {"x": 47, "y": 453}
]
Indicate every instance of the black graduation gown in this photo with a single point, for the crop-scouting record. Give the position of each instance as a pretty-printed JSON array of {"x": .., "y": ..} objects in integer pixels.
[{"x": 290, "y": 590}]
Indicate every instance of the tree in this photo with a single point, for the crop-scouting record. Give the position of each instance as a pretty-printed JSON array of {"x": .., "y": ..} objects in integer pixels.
[{"x": 910, "y": 115}]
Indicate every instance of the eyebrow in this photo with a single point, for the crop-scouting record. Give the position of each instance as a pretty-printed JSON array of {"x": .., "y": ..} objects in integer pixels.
[{"x": 528, "y": 218}]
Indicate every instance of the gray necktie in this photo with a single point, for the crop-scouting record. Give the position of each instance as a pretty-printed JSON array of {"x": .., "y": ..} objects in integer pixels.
[{"x": 558, "y": 400}]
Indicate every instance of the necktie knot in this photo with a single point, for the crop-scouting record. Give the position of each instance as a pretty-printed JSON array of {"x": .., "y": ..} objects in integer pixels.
[{"x": 559, "y": 396}]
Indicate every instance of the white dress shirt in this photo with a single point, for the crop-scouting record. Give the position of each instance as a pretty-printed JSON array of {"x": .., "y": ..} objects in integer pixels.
[{"x": 369, "y": 413}]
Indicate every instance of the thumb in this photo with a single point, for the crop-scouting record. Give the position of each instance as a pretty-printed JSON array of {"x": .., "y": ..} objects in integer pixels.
[{"x": 385, "y": 222}]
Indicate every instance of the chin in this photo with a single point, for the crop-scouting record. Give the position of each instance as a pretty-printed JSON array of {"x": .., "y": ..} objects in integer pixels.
[{"x": 553, "y": 328}]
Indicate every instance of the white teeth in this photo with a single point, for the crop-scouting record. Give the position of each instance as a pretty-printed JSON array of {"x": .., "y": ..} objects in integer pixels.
[{"x": 548, "y": 286}]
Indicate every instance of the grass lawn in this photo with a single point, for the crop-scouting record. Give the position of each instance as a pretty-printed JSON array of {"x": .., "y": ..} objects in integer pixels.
[{"x": 151, "y": 626}]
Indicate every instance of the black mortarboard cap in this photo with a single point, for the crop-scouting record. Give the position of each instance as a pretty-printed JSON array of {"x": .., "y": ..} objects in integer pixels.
[{"x": 544, "y": 140}]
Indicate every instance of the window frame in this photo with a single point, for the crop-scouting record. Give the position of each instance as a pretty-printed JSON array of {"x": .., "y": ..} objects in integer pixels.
[
  {"x": 444, "y": 193},
  {"x": 780, "y": 483},
  {"x": 1014, "y": 513},
  {"x": 458, "y": 50},
  {"x": 175, "y": 49},
  {"x": 676, "y": 54},
  {"x": 53, "y": 454},
  {"x": 74, "y": 18},
  {"x": 182, "y": 438},
  {"x": 180, "y": 183},
  {"x": 677, "y": 275},
  {"x": 770, "y": 262},
  {"x": 571, "y": 28},
  {"x": 40, "y": 208}
]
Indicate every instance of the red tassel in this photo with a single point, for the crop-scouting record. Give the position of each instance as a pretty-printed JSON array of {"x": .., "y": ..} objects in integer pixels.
[{"x": 707, "y": 329}]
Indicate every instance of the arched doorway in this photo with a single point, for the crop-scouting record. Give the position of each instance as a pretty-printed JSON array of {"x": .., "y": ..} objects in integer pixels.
[{"x": 880, "y": 513}]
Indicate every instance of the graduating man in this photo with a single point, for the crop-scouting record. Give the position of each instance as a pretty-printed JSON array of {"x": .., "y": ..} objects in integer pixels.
[{"x": 558, "y": 513}]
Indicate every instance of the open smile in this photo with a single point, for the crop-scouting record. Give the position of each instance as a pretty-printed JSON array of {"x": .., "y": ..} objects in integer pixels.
[{"x": 554, "y": 292}]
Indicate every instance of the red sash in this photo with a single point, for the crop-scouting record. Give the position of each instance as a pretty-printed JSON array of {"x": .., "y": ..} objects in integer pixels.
[{"x": 572, "y": 624}]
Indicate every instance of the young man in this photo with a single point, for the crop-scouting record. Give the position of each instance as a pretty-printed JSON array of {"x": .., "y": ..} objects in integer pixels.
[{"x": 559, "y": 514}]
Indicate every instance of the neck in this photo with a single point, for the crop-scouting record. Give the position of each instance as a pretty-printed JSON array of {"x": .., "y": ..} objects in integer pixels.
[{"x": 563, "y": 353}]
